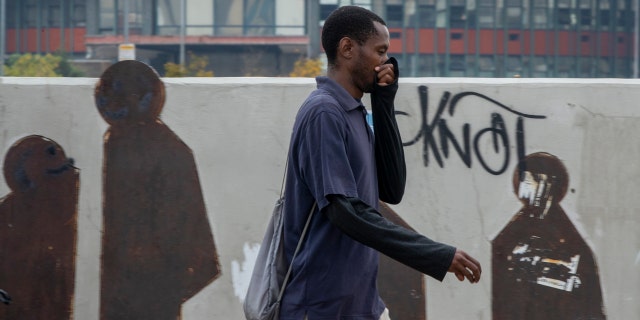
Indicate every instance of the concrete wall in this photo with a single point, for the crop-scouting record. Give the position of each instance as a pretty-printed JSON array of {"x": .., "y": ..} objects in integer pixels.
[{"x": 238, "y": 130}]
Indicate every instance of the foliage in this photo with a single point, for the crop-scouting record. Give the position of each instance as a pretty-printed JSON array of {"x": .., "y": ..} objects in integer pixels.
[
  {"x": 196, "y": 67},
  {"x": 66, "y": 69},
  {"x": 29, "y": 65},
  {"x": 35, "y": 65},
  {"x": 309, "y": 68}
]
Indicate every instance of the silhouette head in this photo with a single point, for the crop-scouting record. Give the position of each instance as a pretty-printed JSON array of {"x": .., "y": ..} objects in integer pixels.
[
  {"x": 539, "y": 181},
  {"x": 34, "y": 161},
  {"x": 129, "y": 92}
]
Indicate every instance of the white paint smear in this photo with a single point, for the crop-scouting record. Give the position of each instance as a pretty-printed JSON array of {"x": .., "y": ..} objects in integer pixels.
[{"x": 241, "y": 271}]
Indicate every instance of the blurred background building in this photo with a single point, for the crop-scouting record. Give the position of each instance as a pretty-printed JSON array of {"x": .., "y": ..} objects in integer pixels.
[{"x": 448, "y": 38}]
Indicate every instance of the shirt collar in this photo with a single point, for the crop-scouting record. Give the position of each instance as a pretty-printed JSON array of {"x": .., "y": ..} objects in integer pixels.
[{"x": 347, "y": 102}]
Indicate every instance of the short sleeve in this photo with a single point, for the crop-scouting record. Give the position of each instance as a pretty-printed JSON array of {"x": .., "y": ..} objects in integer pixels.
[{"x": 325, "y": 164}]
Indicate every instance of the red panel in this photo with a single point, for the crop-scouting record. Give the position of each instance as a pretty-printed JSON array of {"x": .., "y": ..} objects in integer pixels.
[
  {"x": 605, "y": 44},
  {"x": 426, "y": 41},
  {"x": 49, "y": 40},
  {"x": 78, "y": 39},
  {"x": 565, "y": 42},
  {"x": 456, "y": 46},
  {"x": 515, "y": 46},
  {"x": 471, "y": 41},
  {"x": 541, "y": 38},
  {"x": 486, "y": 41},
  {"x": 623, "y": 45},
  {"x": 395, "y": 43},
  {"x": 586, "y": 44},
  {"x": 28, "y": 40},
  {"x": 11, "y": 41}
]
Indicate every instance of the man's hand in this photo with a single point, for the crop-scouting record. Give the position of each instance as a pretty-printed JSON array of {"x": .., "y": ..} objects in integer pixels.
[
  {"x": 385, "y": 75},
  {"x": 465, "y": 266}
]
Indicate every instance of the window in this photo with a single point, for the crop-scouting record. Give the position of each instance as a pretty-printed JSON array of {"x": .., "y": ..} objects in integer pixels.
[
  {"x": 584, "y": 68},
  {"x": 471, "y": 65},
  {"x": 259, "y": 17},
  {"x": 540, "y": 18},
  {"x": 540, "y": 3},
  {"x": 457, "y": 63},
  {"x": 79, "y": 13},
  {"x": 565, "y": 66},
  {"x": 604, "y": 18},
  {"x": 604, "y": 67},
  {"x": 326, "y": 9},
  {"x": 585, "y": 17},
  {"x": 53, "y": 14},
  {"x": 514, "y": 64},
  {"x": 486, "y": 63},
  {"x": 426, "y": 65},
  {"x": 514, "y": 17},
  {"x": 107, "y": 17},
  {"x": 622, "y": 69},
  {"x": 625, "y": 17},
  {"x": 457, "y": 16},
  {"x": 486, "y": 17},
  {"x": 563, "y": 18},
  {"x": 426, "y": 17},
  {"x": 11, "y": 16},
  {"x": 395, "y": 14},
  {"x": 539, "y": 68},
  {"x": 30, "y": 14}
]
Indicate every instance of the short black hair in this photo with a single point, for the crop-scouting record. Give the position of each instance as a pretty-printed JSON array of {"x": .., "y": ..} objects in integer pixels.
[{"x": 347, "y": 21}]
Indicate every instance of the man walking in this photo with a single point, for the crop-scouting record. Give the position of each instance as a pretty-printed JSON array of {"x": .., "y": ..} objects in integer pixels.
[{"x": 338, "y": 162}]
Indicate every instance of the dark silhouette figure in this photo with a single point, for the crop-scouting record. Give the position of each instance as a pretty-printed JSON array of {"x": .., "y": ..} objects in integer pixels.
[
  {"x": 542, "y": 267},
  {"x": 157, "y": 246},
  {"x": 401, "y": 288},
  {"x": 38, "y": 231}
]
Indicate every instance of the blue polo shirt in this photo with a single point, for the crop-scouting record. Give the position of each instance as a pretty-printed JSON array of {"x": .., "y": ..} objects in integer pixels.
[{"x": 331, "y": 152}]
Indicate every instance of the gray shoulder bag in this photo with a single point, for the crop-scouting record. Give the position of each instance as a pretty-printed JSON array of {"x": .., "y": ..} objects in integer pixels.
[{"x": 270, "y": 273}]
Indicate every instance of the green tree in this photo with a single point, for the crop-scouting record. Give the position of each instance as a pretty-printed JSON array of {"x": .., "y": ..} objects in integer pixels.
[
  {"x": 35, "y": 65},
  {"x": 309, "y": 68},
  {"x": 196, "y": 67}
]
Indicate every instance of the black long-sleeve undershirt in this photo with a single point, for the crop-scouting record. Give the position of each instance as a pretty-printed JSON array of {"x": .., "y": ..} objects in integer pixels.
[
  {"x": 389, "y": 152},
  {"x": 364, "y": 224}
]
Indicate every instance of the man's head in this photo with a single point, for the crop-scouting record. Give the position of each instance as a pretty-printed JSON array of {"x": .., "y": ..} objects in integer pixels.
[{"x": 353, "y": 22}]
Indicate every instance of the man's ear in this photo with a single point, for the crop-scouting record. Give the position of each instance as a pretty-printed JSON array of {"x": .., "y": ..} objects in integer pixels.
[{"x": 346, "y": 48}]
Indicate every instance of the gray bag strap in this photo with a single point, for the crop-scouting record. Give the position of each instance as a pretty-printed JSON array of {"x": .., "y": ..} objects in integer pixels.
[
  {"x": 304, "y": 232},
  {"x": 295, "y": 253}
]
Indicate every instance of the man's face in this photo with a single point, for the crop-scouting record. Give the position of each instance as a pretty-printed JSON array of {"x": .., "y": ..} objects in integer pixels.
[{"x": 370, "y": 55}]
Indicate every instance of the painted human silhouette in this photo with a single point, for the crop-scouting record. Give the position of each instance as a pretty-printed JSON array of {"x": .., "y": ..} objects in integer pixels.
[
  {"x": 402, "y": 288},
  {"x": 542, "y": 267},
  {"x": 38, "y": 230},
  {"x": 157, "y": 246}
]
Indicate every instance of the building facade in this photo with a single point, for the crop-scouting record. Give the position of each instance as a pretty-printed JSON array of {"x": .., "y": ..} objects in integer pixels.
[{"x": 448, "y": 38}]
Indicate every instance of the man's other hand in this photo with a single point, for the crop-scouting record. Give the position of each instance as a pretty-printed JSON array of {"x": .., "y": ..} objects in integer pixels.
[{"x": 465, "y": 266}]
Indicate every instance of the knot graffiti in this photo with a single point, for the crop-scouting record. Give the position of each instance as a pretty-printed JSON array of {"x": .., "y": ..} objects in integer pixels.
[{"x": 497, "y": 131}]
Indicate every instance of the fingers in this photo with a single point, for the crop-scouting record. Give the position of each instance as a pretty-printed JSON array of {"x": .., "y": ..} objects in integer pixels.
[
  {"x": 465, "y": 266},
  {"x": 472, "y": 268},
  {"x": 386, "y": 75}
]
